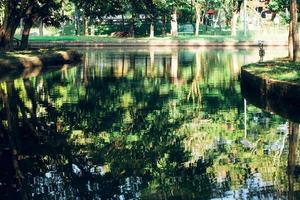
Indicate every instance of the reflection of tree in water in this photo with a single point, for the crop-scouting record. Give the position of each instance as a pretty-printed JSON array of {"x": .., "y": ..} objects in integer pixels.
[
  {"x": 152, "y": 150},
  {"x": 13, "y": 174},
  {"x": 286, "y": 146},
  {"x": 195, "y": 92},
  {"x": 128, "y": 137},
  {"x": 27, "y": 136},
  {"x": 37, "y": 156}
]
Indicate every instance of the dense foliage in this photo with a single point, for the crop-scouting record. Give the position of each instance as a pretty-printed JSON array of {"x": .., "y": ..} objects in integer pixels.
[{"x": 123, "y": 18}]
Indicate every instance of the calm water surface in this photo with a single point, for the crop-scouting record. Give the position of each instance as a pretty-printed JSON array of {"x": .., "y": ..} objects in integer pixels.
[{"x": 128, "y": 123}]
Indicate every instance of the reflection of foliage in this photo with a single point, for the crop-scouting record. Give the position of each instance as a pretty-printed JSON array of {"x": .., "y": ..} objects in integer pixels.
[
  {"x": 140, "y": 127},
  {"x": 195, "y": 92}
]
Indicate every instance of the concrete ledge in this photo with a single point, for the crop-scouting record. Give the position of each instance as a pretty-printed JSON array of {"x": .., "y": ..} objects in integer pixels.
[
  {"x": 270, "y": 87},
  {"x": 280, "y": 97},
  {"x": 158, "y": 43}
]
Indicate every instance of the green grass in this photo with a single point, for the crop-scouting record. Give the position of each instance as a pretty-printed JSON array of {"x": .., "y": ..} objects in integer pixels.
[
  {"x": 137, "y": 39},
  {"x": 267, "y": 33},
  {"x": 210, "y": 38},
  {"x": 206, "y": 38},
  {"x": 212, "y": 35},
  {"x": 279, "y": 69}
]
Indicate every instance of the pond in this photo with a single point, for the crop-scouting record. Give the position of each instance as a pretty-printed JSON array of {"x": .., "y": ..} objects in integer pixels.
[{"x": 154, "y": 123}]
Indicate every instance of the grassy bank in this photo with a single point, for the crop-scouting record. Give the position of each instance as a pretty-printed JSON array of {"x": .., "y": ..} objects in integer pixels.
[
  {"x": 280, "y": 69},
  {"x": 26, "y": 53},
  {"x": 211, "y": 38},
  {"x": 215, "y": 35},
  {"x": 36, "y": 58}
]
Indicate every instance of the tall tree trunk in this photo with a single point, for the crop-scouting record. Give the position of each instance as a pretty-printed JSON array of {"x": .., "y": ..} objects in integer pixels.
[
  {"x": 62, "y": 3},
  {"x": 290, "y": 41},
  {"x": 234, "y": 23},
  {"x": 25, "y": 34},
  {"x": 132, "y": 26},
  {"x": 123, "y": 23},
  {"x": 86, "y": 25},
  {"x": 216, "y": 20},
  {"x": 41, "y": 28},
  {"x": 10, "y": 23},
  {"x": 203, "y": 18},
  {"x": 93, "y": 29},
  {"x": 164, "y": 25},
  {"x": 6, "y": 37},
  {"x": 295, "y": 31},
  {"x": 274, "y": 14},
  {"x": 151, "y": 27},
  {"x": 174, "y": 25},
  {"x": 21, "y": 26},
  {"x": 206, "y": 22},
  {"x": 198, "y": 18},
  {"x": 77, "y": 23}
]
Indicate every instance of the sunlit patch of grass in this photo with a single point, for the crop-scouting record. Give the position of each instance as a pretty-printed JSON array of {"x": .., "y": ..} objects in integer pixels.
[
  {"x": 211, "y": 35},
  {"x": 201, "y": 37},
  {"x": 28, "y": 53},
  {"x": 279, "y": 69}
]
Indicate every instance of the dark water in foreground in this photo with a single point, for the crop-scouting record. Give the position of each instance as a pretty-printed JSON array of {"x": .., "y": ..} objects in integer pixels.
[{"x": 142, "y": 124}]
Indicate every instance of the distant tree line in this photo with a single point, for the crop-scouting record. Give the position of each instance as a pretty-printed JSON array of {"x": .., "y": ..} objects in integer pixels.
[
  {"x": 163, "y": 11},
  {"x": 27, "y": 13}
]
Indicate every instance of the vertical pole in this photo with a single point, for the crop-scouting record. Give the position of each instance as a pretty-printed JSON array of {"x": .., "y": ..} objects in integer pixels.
[{"x": 245, "y": 17}]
